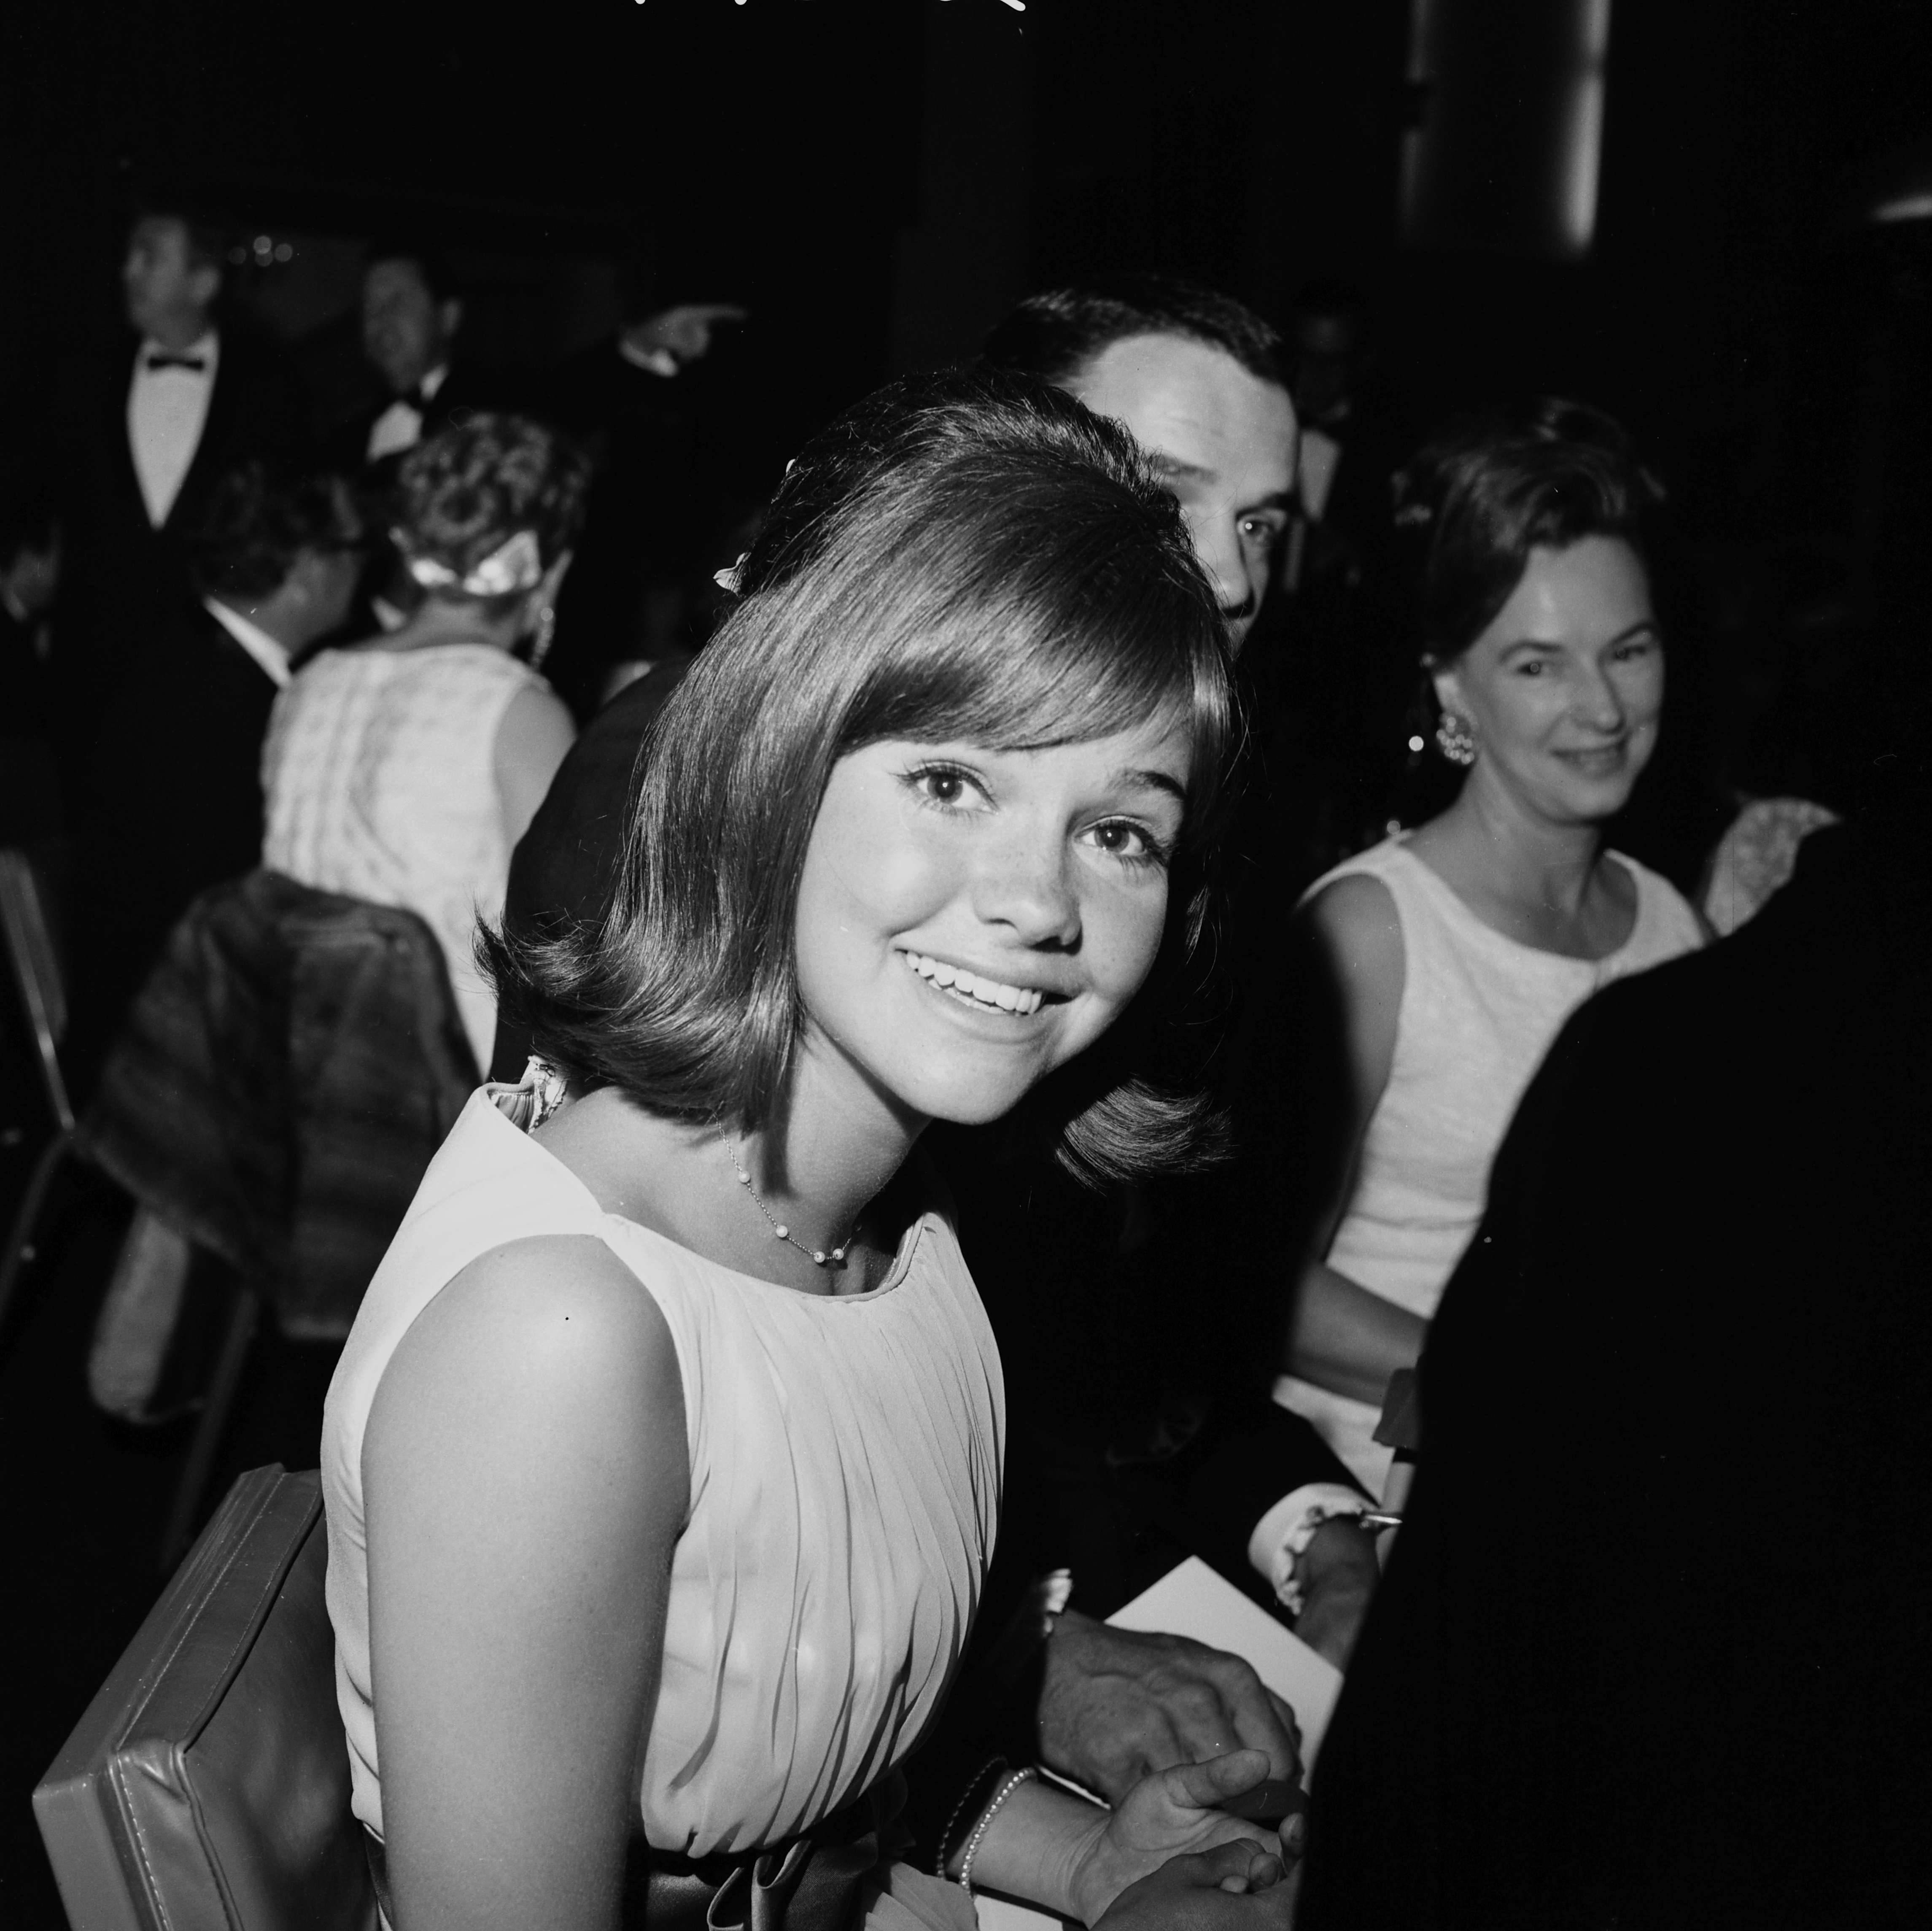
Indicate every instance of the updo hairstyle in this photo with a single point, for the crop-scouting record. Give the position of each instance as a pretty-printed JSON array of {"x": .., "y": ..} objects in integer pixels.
[
  {"x": 966, "y": 555},
  {"x": 464, "y": 494}
]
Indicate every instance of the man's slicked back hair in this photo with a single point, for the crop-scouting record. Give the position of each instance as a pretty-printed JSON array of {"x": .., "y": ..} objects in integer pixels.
[{"x": 1053, "y": 336}]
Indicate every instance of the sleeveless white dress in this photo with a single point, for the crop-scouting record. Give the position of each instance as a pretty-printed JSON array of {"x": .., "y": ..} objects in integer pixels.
[
  {"x": 379, "y": 779},
  {"x": 845, "y": 1460},
  {"x": 1479, "y": 1011}
]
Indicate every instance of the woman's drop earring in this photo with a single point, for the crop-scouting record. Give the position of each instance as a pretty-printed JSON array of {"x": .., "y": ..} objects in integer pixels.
[
  {"x": 540, "y": 637},
  {"x": 1456, "y": 735}
]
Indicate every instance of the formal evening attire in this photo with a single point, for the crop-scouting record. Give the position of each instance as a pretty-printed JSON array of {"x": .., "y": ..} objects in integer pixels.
[
  {"x": 844, "y": 1474},
  {"x": 380, "y": 776},
  {"x": 1681, "y": 1681},
  {"x": 376, "y": 435},
  {"x": 134, "y": 453},
  {"x": 1478, "y": 1012},
  {"x": 171, "y": 803}
]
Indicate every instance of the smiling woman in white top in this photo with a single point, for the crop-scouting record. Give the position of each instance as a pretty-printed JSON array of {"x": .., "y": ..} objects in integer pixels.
[
  {"x": 1460, "y": 949},
  {"x": 663, "y": 1462}
]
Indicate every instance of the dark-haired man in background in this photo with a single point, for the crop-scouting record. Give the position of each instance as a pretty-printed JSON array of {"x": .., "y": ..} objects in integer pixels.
[
  {"x": 1124, "y": 1465},
  {"x": 171, "y": 800},
  {"x": 130, "y": 453},
  {"x": 412, "y": 313},
  {"x": 1196, "y": 376}
]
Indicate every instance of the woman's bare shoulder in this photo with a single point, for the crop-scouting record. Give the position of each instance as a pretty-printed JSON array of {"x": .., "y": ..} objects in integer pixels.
[
  {"x": 1355, "y": 915},
  {"x": 554, "y": 1331}
]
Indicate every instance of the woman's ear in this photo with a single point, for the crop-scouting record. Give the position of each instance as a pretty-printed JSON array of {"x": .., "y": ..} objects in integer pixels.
[
  {"x": 1448, "y": 687},
  {"x": 553, "y": 577}
]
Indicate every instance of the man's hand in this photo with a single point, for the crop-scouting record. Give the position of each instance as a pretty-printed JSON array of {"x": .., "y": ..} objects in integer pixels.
[
  {"x": 1116, "y": 1705},
  {"x": 1338, "y": 1573},
  {"x": 683, "y": 333},
  {"x": 29, "y": 580}
]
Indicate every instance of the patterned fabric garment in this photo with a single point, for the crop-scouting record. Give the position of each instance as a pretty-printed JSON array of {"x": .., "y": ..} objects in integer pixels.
[
  {"x": 379, "y": 776},
  {"x": 1479, "y": 1010},
  {"x": 281, "y": 1086},
  {"x": 845, "y": 1458}
]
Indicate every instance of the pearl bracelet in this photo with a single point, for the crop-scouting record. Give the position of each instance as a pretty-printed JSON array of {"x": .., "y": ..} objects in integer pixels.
[{"x": 986, "y": 1816}]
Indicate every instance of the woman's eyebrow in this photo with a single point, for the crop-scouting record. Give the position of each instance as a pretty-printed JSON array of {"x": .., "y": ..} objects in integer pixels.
[
  {"x": 1637, "y": 629},
  {"x": 1134, "y": 778}
]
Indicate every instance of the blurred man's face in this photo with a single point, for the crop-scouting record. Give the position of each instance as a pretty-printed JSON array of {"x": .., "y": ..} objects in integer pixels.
[
  {"x": 406, "y": 330},
  {"x": 168, "y": 294},
  {"x": 1225, "y": 440},
  {"x": 1327, "y": 353}
]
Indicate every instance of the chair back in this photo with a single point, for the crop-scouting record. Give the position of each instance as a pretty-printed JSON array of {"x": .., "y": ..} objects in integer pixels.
[
  {"x": 35, "y": 965},
  {"x": 207, "y": 1787}
]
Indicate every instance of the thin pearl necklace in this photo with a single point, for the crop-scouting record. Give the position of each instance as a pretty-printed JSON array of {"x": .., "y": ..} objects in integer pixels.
[{"x": 819, "y": 1257}]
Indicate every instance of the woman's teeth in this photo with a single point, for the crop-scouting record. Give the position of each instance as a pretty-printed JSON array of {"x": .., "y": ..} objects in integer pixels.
[{"x": 1020, "y": 1000}]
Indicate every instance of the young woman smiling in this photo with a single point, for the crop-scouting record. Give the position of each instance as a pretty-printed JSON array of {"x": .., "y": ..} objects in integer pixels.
[
  {"x": 663, "y": 1463},
  {"x": 1458, "y": 950}
]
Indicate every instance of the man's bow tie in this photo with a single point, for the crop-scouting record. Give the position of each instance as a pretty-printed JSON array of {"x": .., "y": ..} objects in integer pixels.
[{"x": 159, "y": 358}]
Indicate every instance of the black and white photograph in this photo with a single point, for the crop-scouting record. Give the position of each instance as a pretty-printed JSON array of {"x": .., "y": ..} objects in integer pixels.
[{"x": 966, "y": 965}]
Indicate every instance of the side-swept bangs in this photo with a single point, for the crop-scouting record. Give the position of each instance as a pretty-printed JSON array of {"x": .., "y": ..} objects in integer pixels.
[{"x": 967, "y": 556}]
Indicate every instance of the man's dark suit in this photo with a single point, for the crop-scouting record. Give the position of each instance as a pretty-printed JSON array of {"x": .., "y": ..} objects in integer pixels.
[
  {"x": 171, "y": 804},
  {"x": 122, "y": 580},
  {"x": 1652, "y": 1647},
  {"x": 459, "y": 397}
]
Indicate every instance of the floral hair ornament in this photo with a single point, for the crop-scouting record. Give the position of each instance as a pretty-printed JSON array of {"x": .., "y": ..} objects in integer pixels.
[
  {"x": 514, "y": 565},
  {"x": 728, "y": 578}
]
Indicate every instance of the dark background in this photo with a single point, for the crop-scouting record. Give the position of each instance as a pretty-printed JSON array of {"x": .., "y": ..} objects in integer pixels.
[{"x": 878, "y": 179}]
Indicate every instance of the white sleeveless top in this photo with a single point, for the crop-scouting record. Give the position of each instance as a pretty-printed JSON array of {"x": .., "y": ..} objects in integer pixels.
[
  {"x": 379, "y": 773},
  {"x": 1479, "y": 1011},
  {"x": 845, "y": 1459}
]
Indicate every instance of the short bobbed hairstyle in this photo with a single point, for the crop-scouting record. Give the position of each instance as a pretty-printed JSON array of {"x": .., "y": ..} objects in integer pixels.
[
  {"x": 460, "y": 496},
  {"x": 1471, "y": 506},
  {"x": 967, "y": 555}
]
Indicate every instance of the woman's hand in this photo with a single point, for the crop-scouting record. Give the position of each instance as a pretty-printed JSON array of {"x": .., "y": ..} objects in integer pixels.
[
  {"x": 1172, "y": 1812},
  {"x": 1236, "y": 1887}
]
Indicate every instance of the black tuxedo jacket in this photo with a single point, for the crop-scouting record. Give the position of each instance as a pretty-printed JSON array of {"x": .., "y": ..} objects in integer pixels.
[
  {"x": 1652, "y": 1650},
  {"x": 462, "y": 396},
  {"x": 170, "y": 805},
  {"x": 123, "y": 579}
]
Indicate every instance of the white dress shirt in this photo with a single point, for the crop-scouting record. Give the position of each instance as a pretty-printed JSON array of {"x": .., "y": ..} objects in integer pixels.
[
  {"x": 656, "y": 362},
  {"x": 399, "y": 426},
  {"x": 167, "y": 409},
  {"x": 273, "y": 657}
]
